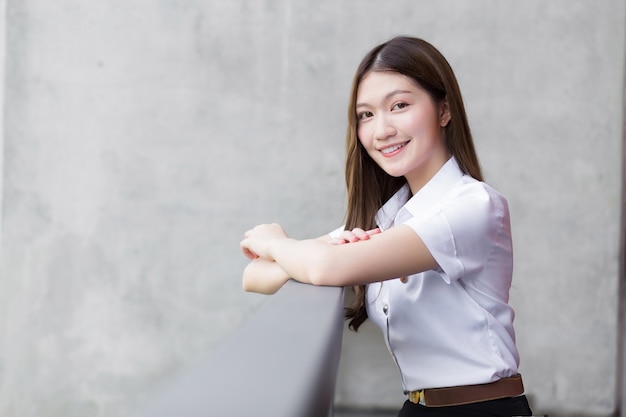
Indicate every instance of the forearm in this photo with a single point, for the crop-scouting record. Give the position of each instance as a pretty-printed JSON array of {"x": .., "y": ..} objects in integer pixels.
[
  {"x": 264, "y": 277},
  {"x": 302, "y": 260},
  {"x": 395, "y": 253}
]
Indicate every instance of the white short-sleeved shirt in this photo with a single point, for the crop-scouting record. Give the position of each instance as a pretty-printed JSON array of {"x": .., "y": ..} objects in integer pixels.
[{"x": 451, "y": 326}]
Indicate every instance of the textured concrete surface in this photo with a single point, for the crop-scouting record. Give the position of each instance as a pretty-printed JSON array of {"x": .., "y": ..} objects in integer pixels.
[{"x": 141, "y": 139}]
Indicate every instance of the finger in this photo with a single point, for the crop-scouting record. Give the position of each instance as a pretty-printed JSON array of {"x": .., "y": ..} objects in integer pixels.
[
  {"x": 246, "y": 251},
  {"x": 348, "y": 236},
  {"x": 338, "y": 241},
  {"x": 359, "y": 233},
  {"x": 375, "y": 231},
  {"x": 250, "y": 255}
]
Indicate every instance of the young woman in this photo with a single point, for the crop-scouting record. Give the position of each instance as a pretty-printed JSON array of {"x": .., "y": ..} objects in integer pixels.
[{"x": 426, "y": 245}]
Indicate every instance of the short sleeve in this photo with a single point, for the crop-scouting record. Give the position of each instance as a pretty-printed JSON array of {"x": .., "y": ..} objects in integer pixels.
[{"x": 462, "y": 231}]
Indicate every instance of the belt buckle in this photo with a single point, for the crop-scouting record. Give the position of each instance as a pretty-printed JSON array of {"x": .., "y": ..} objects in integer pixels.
[{"x": 417, "y": 397}]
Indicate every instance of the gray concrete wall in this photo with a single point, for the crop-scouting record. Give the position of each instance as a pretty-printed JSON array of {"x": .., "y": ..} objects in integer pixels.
[
  {"x": 3, "y": 32},
  {"x": 141, "y": 139}
]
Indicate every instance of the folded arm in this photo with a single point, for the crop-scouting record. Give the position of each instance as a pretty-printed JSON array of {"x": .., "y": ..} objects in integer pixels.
[
  {"x": 266, "y": 276},
  {"x": 395, "y": 253}
]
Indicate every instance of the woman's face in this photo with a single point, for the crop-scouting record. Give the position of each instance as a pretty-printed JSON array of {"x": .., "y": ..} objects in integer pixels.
[{"x": 400, "y": 127}]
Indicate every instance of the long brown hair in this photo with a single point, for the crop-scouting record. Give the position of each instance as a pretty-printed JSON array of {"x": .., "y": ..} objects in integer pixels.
[{"x": 369, "y": 187}]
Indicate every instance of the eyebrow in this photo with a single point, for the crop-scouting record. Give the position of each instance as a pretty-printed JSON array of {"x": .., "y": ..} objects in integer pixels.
[{"x": 387, "y": 96}]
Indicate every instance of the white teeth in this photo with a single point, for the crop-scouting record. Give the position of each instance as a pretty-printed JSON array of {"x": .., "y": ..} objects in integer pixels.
[{"x": 391, "y": 149}]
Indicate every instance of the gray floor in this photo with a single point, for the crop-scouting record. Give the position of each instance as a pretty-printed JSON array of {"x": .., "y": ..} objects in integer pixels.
[
  {"x": 376, "y": 413},
  {"x": 364, "y": 413}
]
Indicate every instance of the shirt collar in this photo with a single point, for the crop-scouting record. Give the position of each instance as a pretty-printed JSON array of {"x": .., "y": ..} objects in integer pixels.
[{"x": 392, "y": 211}]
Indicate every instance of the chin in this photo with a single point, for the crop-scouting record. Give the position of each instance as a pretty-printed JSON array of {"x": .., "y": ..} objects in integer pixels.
[{"x": 395, "y": 173}]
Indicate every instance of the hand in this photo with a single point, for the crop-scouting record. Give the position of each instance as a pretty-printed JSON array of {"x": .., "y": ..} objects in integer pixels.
[
  {"x": 255, "y": 242},
  {"x": 354, "y": 235}
]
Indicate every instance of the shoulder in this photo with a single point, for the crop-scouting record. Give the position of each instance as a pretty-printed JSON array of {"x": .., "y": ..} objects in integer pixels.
[
  {"x": 466, "y": 195},
  {"x": 469, "y": 210},
  {"x": 476, "y": 206},
  {"x": 474, "y": 195}
]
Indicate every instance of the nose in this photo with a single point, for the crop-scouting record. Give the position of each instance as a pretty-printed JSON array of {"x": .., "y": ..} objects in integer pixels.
[{"x": 384, "y": 129}]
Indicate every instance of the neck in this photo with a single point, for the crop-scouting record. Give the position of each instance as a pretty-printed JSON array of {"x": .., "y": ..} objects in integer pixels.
[{"x": 417, "y": 180}]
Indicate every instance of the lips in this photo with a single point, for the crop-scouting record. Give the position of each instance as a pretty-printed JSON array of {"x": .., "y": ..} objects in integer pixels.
[{"x": 392, "y": 149}]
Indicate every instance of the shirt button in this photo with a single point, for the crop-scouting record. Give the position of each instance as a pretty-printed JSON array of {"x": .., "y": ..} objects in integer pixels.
[{"x": 386, "y": 309}]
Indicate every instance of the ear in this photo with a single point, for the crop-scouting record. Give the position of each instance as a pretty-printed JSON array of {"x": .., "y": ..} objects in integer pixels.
[{"x": 444, "y": 112}]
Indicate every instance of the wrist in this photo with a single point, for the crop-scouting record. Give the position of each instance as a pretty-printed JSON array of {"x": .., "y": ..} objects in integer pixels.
[
  {"x": 277, "y": 246},
  {"x": 273, "y": 247}
]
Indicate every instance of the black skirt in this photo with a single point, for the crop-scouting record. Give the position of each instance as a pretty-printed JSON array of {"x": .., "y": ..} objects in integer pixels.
[{"x": 505, "y": 407}]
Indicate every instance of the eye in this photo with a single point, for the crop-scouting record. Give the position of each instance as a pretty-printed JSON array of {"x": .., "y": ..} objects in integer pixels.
[
  {"x": 399, "y": 106},
  {"x": 364, "y": 115}
]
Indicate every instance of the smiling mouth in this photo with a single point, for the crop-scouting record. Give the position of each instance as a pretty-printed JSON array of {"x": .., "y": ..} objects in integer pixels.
[{"x": 393, "y": 148}]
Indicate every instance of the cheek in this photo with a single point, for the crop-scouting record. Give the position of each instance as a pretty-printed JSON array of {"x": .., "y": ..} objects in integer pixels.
[
  {"x": 424, "y": 124},
  {"x": 363, "y": 135}
]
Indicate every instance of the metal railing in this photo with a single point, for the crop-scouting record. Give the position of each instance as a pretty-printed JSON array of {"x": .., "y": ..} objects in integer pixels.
[{"x": 281, "y": 363}]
